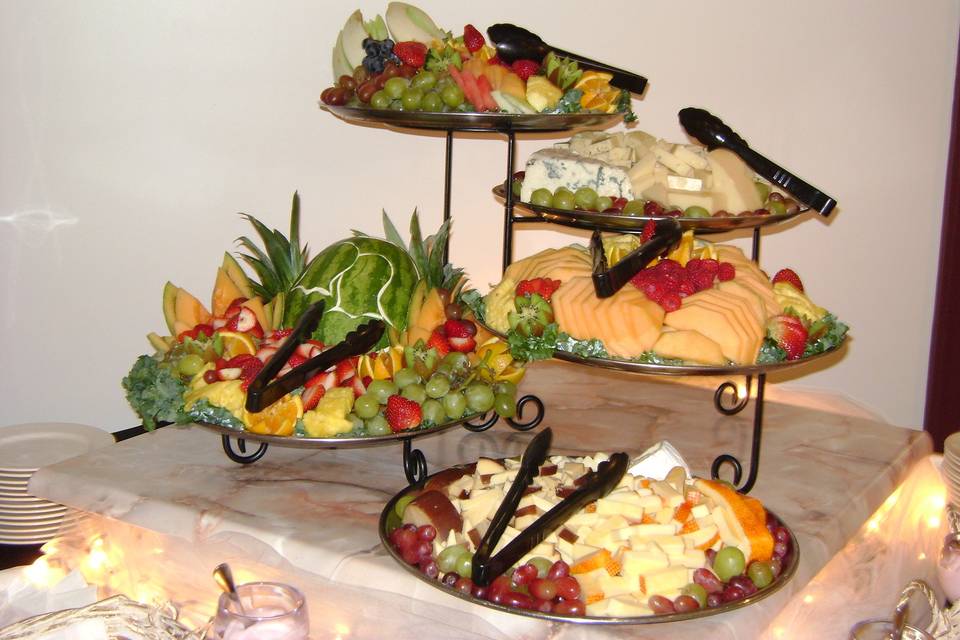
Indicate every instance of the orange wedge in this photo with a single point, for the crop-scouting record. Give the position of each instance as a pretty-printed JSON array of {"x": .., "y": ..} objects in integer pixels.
[
  {"x": 236, "y": 344},
  {"x": 745, "y": 516},
  {"x": 279, "y": 419},
  {"x": 594, "y": 81}
]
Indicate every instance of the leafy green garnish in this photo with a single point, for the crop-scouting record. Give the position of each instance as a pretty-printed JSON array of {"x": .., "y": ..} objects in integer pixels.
[
  {"x": 474, "y": 301},
  {"x": 542, "y": 347},
  {"x": 834, "y": 332},
  {"x": 625, "y": 106},
  {"x": 592, "y": 348},
  {"x": 770, "y": 352},
  {"x": 203, "y": 411},
  {"x": 440, "y": 59},
  {"x": 569, "y": 103},
  {"x": 649, "y": 357},
  {"x": 154, "y": 392}
]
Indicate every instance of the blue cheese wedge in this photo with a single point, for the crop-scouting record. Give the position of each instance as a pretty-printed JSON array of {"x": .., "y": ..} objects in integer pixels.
[{"x": 554, "y": 168}]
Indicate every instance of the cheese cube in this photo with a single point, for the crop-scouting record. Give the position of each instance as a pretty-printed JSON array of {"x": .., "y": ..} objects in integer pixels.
[
  {"x": 647, "y": 530},
  {"x": 612, "y": 508},
  {"x": 664, "y": 516},
  {"x": 508, "y": 534},
  {"x": 583, "y": 519},
  {"x": 727, "y": 534},
  {"x": 691, "y": 155},
  {"x": 681, "y": 183},
  {"x": 565, "y": 549},
  {"x": 692, "y": 558},
  {"x": 637, "y": 563},
  {"x": 523, "y": 522},
  {"x": 700, "y": 511},
  {"x": 662, "y": 581},
  {"x": 672, "y": 162},
  {"x": 581, "y": 550},
  {"x": 614, "y": 586},
  {"x": 627, "y": 606},
  {"x": 699, "y": 537},
  {"x": 673, "y": 546}
]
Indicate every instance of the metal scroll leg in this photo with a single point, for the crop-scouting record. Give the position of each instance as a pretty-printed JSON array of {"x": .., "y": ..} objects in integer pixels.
[
  {"x": 517, "y": 423},
  {"x": 447, "y": 173},
  {"x": 414, "y": 463},
  {"x": 508, "y": 204},
  {"x": 739, "y": 404},
  {"x": 242, "y": 457}
]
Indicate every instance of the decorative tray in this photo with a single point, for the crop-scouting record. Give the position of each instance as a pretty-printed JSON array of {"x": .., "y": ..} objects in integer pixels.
[
  {"x": 473, "y": 121},
  {"x": 388, "y": 522},
  {"x": 621, "y": 223}
]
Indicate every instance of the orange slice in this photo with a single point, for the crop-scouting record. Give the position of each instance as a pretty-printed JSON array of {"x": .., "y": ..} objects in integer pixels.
[
  {"x": 748, "y": 519},
  {"x": 236, "y": 344},
  {"x": 594, "y": 81},
  {"x": 279, "y": 419}
]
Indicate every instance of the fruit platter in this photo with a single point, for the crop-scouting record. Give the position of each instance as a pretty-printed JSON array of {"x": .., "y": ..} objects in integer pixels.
[
  {"x": 700, "y": 308},
  {"x": 619, "y": 181},
  {"x": 650, "y": 551},
  {"x": 402, "y": 69},
  {"x": 433, "y": 368}
]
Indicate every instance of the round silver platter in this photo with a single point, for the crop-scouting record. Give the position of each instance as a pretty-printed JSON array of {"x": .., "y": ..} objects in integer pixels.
[
  {"x": 503, "y": 122},
  {"x": 344, "y": 442},
  {"x": 621, "y": 223},
  {"x": 789, "y": 568}
]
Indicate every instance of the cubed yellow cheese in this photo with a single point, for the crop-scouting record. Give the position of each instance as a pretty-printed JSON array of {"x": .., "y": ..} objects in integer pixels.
[
  {"x": 637, "y": 563},
  {"x": 662, "y": 581}
]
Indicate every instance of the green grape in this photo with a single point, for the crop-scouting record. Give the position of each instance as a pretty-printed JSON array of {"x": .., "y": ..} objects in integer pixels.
[
  {"x": 381, "y": 390},
  {"x": 452, "y": 96},
  {"x": 763, "y": 189},
  {"x": 542, "y": 198},
  {"x": 585, "y": 198},
  {"x": 728, "y": 563},
  {"x": 505, "y": 386},
  {"x": 465, "y": 564},
  {"x": 433, "y": 411},
  {"x": 542, "y": 564},
  {"x": 401, "y": 505},
  {"x": 449, "y": 557},
  {"x": 776, "y": 207},
  {"x": 760, "y": 573},
  {"x": 358, "y": 425},
  {"x": 563, "y": 199},
  {"x": 396, "y": 105},
  {"x": 505, "y": 405},
  {"x": 633, "y": 208},
  {"x": 425, "y": 80},
  {"x": 405, "y": 377},
  {"x": 380, "y": 100},
  {"x": 190, "y": 365},
  {"x": 479, "y": 397},
  {"x": 444, "y": 369},
  {"x": 696, "y": 591},
  {"x": 431, "y": 102},
  {"x": 604, "y": 203},
  {"x": 438, "y": 386},
  {"x": 378, "y": 426},
  {"x": 414, "y": 392},
  {"x": 395, "y": 87},
  {"x": 366, "y": 406},
  {"x": 695, "y": 212},
  {"x": 456, "y": 360},
  {"x": 454, "y": 404},
  {"x": 411, "y": 99},
  {"x": 517, "y": 187}
]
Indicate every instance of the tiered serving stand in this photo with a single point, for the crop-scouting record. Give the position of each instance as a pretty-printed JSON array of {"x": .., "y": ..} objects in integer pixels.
[{"x": 728, "y": 399}]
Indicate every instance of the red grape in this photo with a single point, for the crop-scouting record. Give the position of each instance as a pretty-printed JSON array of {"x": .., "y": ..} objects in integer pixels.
[
  {"x": 545, "y": 588},
  {"x": 543, "y": 606},
  {"x": 570, "y": 608},
  {"x": 568, "y": 588},
  {"x": 745, "y": 584},
  {"x": 427, "y": 533},
  {"x": 347, "y": 82},
  {"x": 781, "y": 535},
  {"x": 706, "y": 579},
  {"x": 429, "y": 568},
  {"x": 558, "y": 570},
  {"x": 463, "y": 585},
  {"x": 780, "y": 550},
  {"x": 652, "y": 208},
  {"x": 412, "y": 528},
  {"x": 410, "y": 555},
  {"x": 423, "y": 549},
  {"x": 450, "y": 579},
  {"x": 776, "y": 566},
  {"x": 518, "y": 600},
  {"x": 711, "y": 554},
  {"x": 479, "y": 592},
  {"x": 686, "y": 603},
  {"x": 733, "y": 593},
  {"x": 524, "y": 575},
  {"x": 660, "y": 604},
  {"x": 714, "y": 600}
]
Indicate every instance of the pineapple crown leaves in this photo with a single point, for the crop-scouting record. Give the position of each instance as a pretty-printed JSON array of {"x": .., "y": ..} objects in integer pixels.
[
  {"x": 282, "y": 261},
  {"x": 426, "y": 253}
]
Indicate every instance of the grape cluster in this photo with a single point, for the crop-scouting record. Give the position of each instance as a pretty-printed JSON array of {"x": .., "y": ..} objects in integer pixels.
[
  {"x": 539, "y": 585},
  {"x": 379, "y": 53}
]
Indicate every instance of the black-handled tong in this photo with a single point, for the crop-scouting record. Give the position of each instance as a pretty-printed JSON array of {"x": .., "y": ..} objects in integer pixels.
[
  {"x": 485, "y": 568},
  {"x": 713, "y": 132},
  {"x": 262, "y": 393},
  {"x": 608, "y": 280},
  {"x": 516, "y": 43}
]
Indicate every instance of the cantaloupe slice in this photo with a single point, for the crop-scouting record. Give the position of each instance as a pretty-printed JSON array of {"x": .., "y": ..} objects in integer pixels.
[
  {"x": 745, "y": 338},
  {"x": 712, "y": 322},
  {"x": 237, "y": 275},
  {"x": 225, "y": 291},
  {"x": 170, "y": 306},
  {"x": 741, "y": 309},
  {"x": 748, "y": 295},
  {"x": 558, "y": 264},
  {"x": 512, "y": 85},
  {"x": 689, "y": 346},
  {"x": 190, "y": 311}
]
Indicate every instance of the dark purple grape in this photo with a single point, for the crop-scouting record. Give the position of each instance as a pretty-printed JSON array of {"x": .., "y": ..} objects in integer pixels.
[
  {"x": 780, "y": 550},
  {"x": 478, "y": 592},
  {"x": 450, "y": 579},
  {"x": 661, "y": 604},
  {"x": 744, "y": 583},
  {"x": 423, "y": 549},
  {"x": 781, "y": 535},
  {"x": 427, "y": 533},
  {"x": 732, "y": 593},
  {"x": 776, "y": 566},
  {"x": 463, "y": 585},
  {"x": 714, "y": 600},
  {"x": 685, "y": 603},
  {"x": 706, "y": 579},
  {"x": 429, "y": 568},
  {"x": 711, "y": 554}
]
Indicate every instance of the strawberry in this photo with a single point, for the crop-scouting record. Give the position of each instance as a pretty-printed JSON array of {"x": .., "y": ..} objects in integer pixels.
[
  {"x": 345, "y": 370},
  {"x": 358, "y": 386},
  {"x": 525, "y": 68},
  {"x": 789, "y": 334},
  {"x": 726, "y": 271},
  {"x": 402, "y": 414},
  {"x": 544, "y": 287},
  {"x": 459, "y": 329},
  {"x": 439, "y": 342},
  {"x": 234, "y": 307},
  {"x": 411, "y": 53},
  {"x": 279, "y": 334},
  {"x": 463, "y": 345},
  {"x": 648, "y": 231},
  {"x": 312, "y": 396},
  {"x": 296, "y": 360},
  {"x": 473, "y": 39},
  {"x": 326, "y": 379},
  {"x": 789, "y": 276}
]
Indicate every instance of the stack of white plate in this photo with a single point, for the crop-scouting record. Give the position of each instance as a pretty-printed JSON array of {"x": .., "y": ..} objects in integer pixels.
[
  {"x": 950, "y": 468},
  {"x": 24, "y": 448}
]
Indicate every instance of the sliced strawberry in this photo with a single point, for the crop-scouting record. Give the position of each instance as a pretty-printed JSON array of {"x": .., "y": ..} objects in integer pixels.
[
  {"x": 459, "y": 328},
  {"x": 463, "y": 345},
  {"x": 525, "y": 68},
  {"x": 788, "y": 276},
  {"x": 303, "y": 349},
  {"x": 345, "y": 370},
  {"x": 229, "y": 373},
  {"x": 295, "y": 360},
  {"x": 402, "y": 414},
  {"x": 219, "y": 323},
  {"x": 312, "y": 396},
  {"x": 789, "y": 334},
  {"x": 544, "y": 287},
  {"x": 234, "y": 307},
  {"x": 648, "y": 231},
  {"x": 473, "y": 39},
  {"x": 327, "y": 380},
  {"x": 279, "y": 334},
  {"x": 439, "y": 342},
  {"x": 265, "y": 353},
  {"x": 358, "y": 387},
  {"x": 247, "y": 320}
]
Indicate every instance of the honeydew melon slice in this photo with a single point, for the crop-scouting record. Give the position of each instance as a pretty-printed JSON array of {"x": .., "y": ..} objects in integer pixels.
[
  {"x": 407, "y": 22},
  {"x": 351, "y": 41}
]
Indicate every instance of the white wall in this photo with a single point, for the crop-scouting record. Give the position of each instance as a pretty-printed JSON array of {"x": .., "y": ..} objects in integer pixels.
[{"x": 132, "y": 132}]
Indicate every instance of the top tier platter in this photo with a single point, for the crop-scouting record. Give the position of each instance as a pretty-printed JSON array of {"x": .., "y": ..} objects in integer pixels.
[{"x": 502, "y": 122}]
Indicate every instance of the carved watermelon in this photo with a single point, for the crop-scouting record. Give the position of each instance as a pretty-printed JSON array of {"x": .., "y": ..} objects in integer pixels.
[{"x": 359, "y": 278}]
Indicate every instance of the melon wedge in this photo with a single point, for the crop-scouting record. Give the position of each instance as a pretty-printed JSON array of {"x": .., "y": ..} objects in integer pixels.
[
  {"x": 714, "y": 323},
  {"x": 170, "y": 306},
  {"x": 190, "y": 311},
  {"x": 749, "y": 338},
  {"x": 748, "y": 295},
  {"x": 225, "y": 291},
  {"x": 237, "y": 275},
  {"x": 256, "y": 305},
  {"x": 689, "y": 346}
]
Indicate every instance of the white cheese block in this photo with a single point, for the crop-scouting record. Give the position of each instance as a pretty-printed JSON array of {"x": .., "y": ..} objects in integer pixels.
[
  {"x": 680, "y": 183},
  {"x": 700, "y": 511},
  {"x": 692, "y": 558},
  {"x": 734, "y": 180},
  {"x": 555, "y": 168},
  {"x": 673, "y": 546},
  {"x": 699, "y": 537},
  {"x": 691, "y": 155},
  {"x": 613, "y": 586},
  {"x": 672, "y": 162},
  {"x": 614, "y": 507},
  {"x": 647, "y": 530},
  {"x": 663, "y": 581},
  {"x": 637, "y": 563},
  {"x": 583, "y": 519},
  {"x": 487, "y": 466},
  {"x": 627, "y": 606}
]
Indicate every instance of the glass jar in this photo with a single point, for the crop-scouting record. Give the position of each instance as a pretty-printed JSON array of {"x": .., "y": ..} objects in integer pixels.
[
  {"x": 883, "y": 630},
  {"x": 270, "y": 611}
]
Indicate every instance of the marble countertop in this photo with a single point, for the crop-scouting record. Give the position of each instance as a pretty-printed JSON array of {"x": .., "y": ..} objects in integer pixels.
[{"x": 317, "y": 510}]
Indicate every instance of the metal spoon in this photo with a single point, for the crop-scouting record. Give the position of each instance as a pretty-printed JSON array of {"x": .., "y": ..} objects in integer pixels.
[{"x": 224, "y": 578}]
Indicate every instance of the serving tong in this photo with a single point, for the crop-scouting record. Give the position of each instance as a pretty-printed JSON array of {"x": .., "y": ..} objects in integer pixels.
[
  {"x": 516, "y": 43},
  {"x": 599, "y": 484},
  {"x": 608, "y": 280},
  {"x": 714, "y": 133},
  {"x": 262, "y": 392}
]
